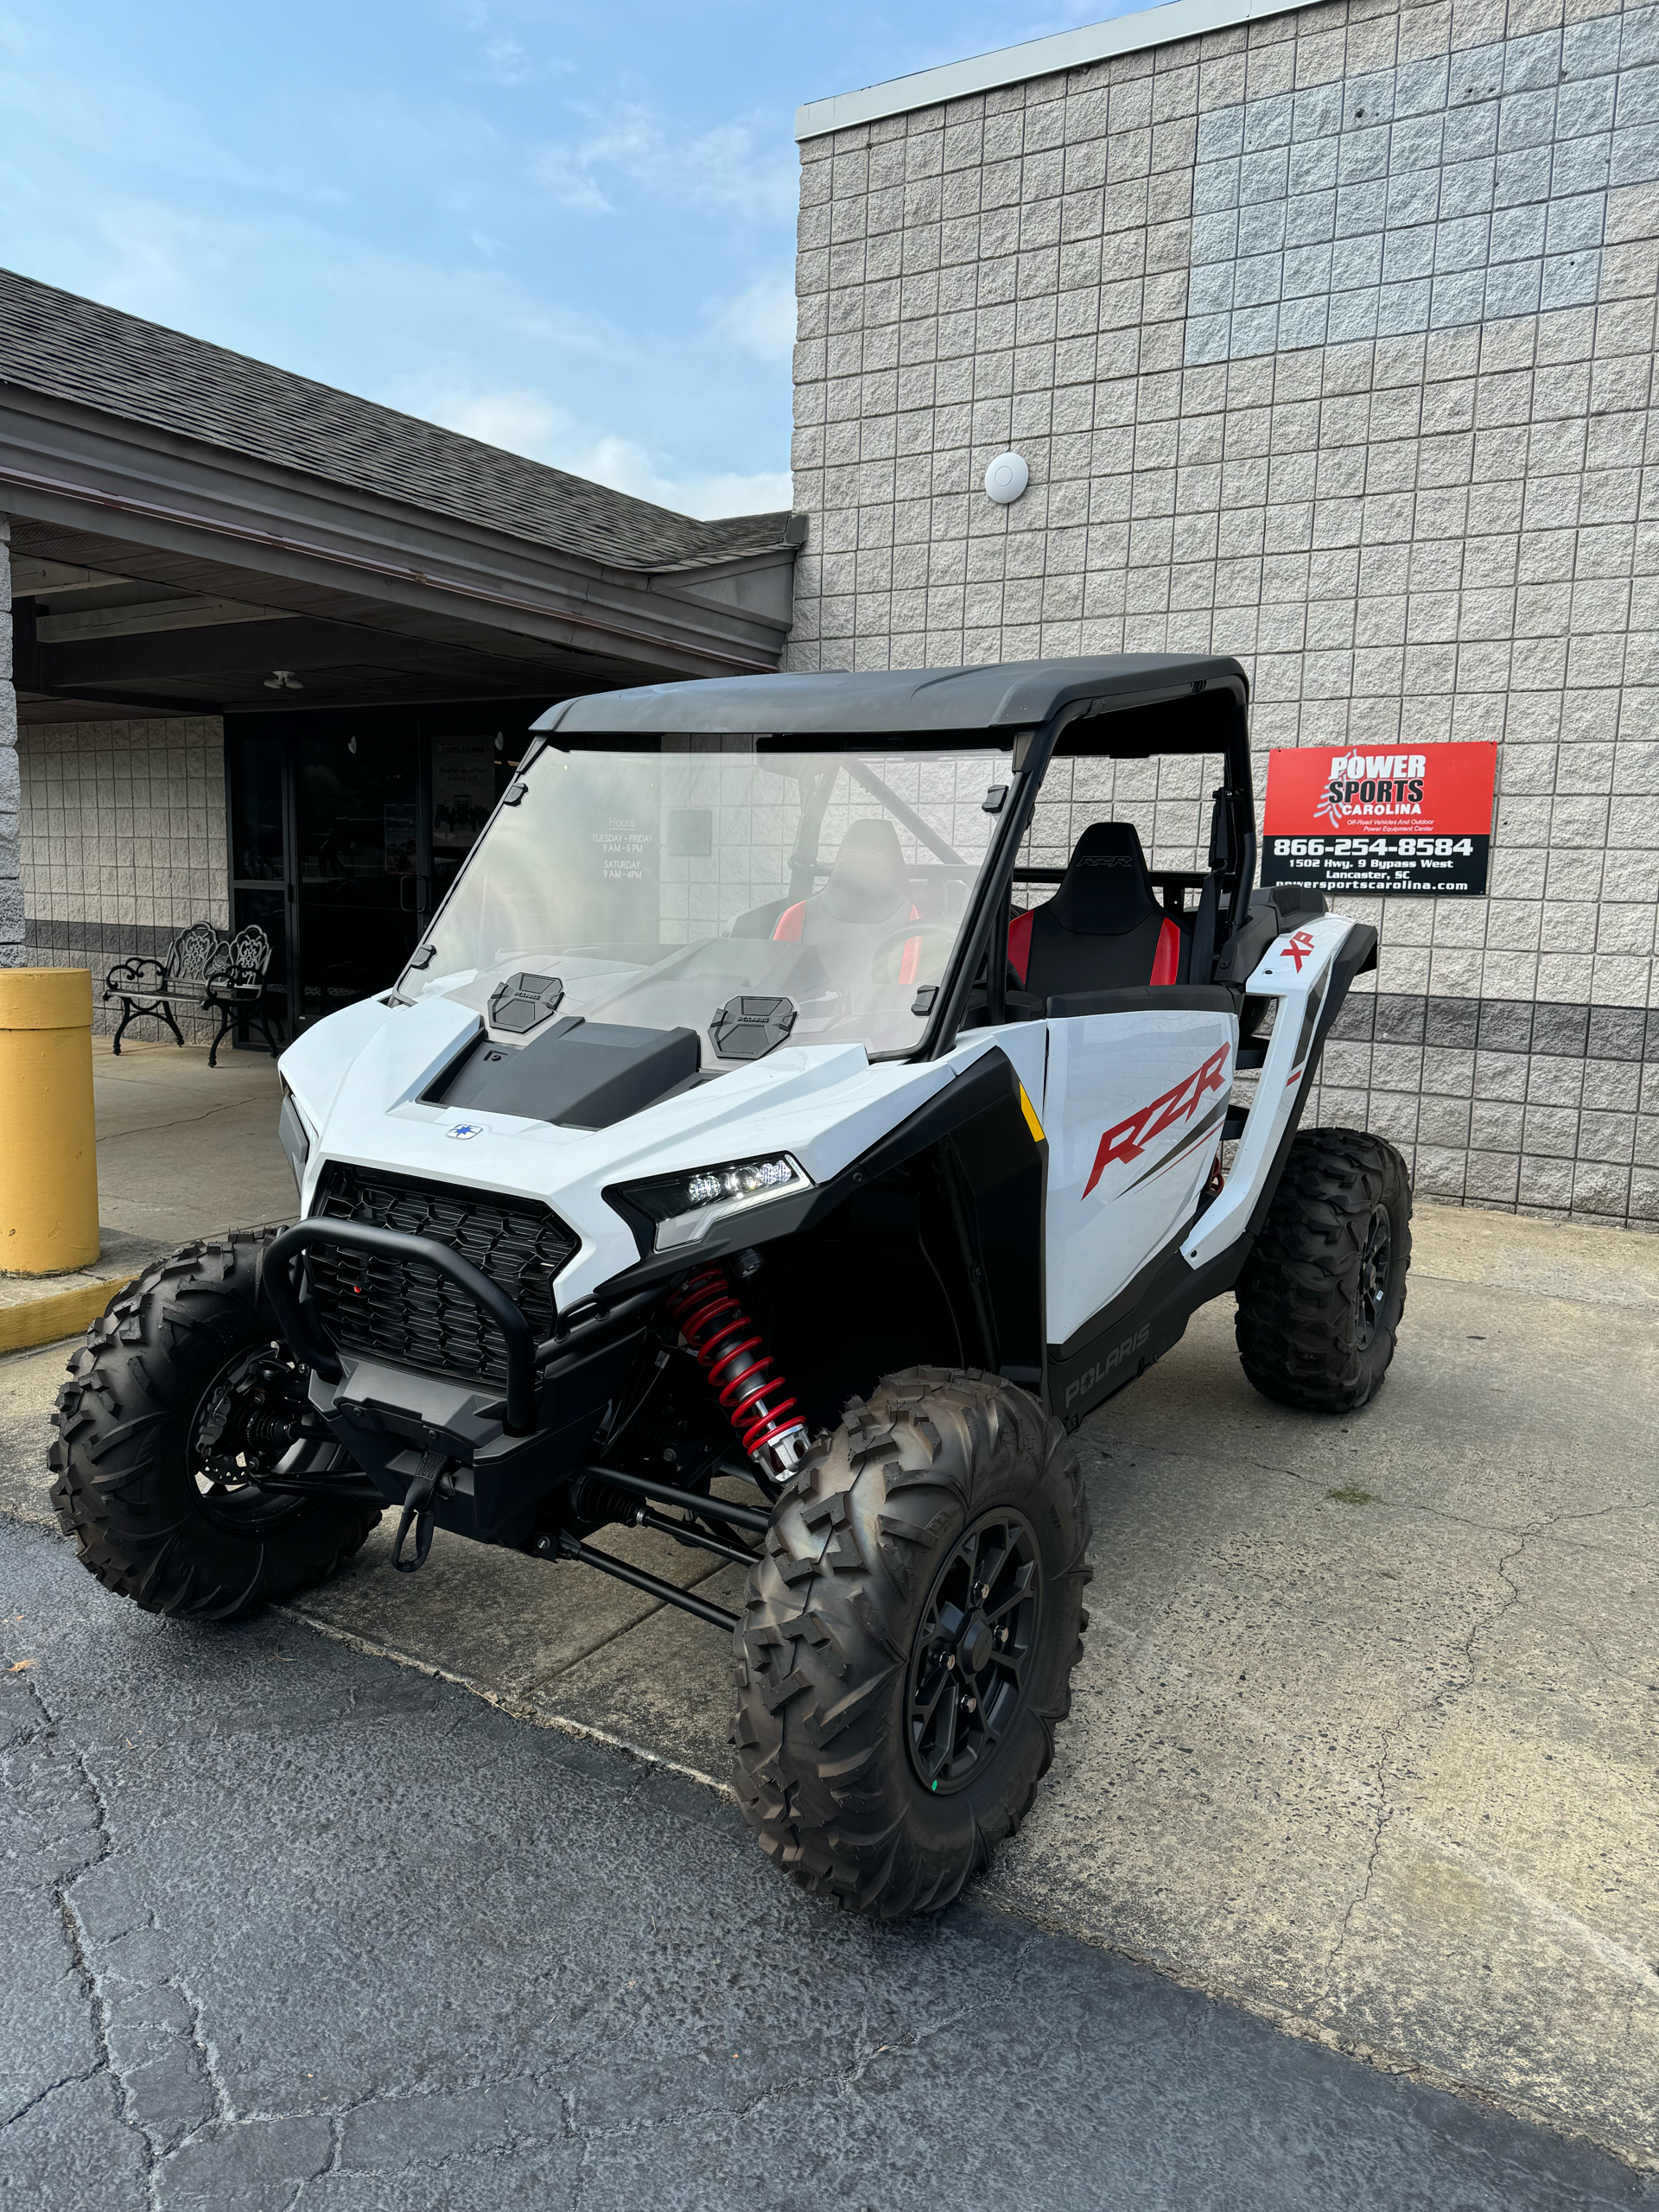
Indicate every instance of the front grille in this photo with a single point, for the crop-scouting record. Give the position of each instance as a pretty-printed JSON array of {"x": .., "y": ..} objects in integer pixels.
[{"x": 397, "y": 1310}]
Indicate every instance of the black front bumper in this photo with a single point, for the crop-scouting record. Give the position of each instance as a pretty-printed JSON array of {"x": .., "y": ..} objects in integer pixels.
[
  {"x": 511, "y": 1447},
  {"x": 519, "y": 1409}
]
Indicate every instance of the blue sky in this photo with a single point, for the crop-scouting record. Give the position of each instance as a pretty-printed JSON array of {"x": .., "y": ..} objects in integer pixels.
[{"x": 568, "y": 229}]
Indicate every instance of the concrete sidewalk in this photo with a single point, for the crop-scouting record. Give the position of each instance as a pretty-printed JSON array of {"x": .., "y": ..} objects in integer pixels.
[
  {"x": 183, "y": 1149},
  {"x": 1364, "y": 1738}
]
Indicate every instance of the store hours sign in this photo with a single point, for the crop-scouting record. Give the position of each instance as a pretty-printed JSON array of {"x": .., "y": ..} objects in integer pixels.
[{"x": 1418, "y": 819}]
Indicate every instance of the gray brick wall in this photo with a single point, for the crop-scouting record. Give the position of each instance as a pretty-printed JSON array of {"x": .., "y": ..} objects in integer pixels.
[
  {"x": 11, "y": 896},
  {"x": 1329, "y": 343},
  {"x": 123, "y": 843}
]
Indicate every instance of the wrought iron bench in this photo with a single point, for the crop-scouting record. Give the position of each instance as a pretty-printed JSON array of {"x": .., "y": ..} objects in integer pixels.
[{"x": 202, "y": 971}]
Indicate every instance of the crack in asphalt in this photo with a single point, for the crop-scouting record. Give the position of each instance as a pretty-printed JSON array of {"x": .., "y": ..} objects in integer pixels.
[
  {"x": 1538, "y": 1528},
  {"x": 505, "y": 1702},
  {"x": 896, "y": 2046},
  {"x": 1386, "y": 1809},
  {"x": 67, "y": 2082},
  {"x": 563, "y": 2104},
  {"x": 1537, "y": 1296},
  {"x": 101, "y": 2011},
  {"x": 203, "y": 2043},
  {"x": 183, "y": 1121}
]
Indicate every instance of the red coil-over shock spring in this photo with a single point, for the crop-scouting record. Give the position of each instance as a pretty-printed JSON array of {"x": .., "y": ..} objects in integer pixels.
[{"x": 728, "y": 1348}]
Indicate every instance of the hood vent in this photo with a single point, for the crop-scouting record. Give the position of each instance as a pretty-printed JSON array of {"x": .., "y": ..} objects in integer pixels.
[{"x": 583, "y": 1075}]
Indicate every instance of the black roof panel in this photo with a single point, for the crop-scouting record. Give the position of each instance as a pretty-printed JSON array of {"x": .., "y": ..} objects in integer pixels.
[{"x": 1008, "y": 695}]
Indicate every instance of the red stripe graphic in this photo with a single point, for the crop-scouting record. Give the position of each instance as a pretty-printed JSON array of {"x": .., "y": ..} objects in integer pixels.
[{"x": 1130, "y": 1138}]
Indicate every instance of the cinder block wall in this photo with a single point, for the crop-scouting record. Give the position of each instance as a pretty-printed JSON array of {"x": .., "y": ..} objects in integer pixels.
[
  {"x": 122, "y": 843},
  {"x": 1330, "y": 344}
]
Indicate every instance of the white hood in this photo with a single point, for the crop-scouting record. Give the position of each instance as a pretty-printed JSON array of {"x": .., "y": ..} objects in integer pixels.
[{"x": 357, "y": 1077}]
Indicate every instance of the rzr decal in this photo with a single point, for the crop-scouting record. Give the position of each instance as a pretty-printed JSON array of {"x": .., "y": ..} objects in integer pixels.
[
  {"x": 1131, "y": 1137},
  {"x": 1299, "y": 948},
  {"x": 1172, "y": 1158}
]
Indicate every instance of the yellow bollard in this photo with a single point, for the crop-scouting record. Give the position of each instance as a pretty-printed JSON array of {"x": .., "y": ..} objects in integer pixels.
[{"x": 48, "y": 1157}]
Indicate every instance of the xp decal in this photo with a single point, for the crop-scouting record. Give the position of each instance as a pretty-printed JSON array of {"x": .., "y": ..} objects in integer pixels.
[{"x": 1129, "y": 1138}]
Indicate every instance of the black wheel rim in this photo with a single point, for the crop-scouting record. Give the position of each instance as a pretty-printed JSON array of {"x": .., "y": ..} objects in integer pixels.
[
  {"x": 249, "y": 1416},
  {"x": 1376, "y": 1271},
  {"x": 973, "y": 1651}
]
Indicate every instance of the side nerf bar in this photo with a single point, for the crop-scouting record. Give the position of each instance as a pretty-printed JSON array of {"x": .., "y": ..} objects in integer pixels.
[{"x": 278, "y": 1281}]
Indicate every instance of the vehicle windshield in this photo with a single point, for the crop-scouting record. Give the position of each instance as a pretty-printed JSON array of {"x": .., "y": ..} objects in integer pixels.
[{"x": 657, "y": 884}]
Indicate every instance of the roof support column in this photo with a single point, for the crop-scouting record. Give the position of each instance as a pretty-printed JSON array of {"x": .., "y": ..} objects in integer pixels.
[{"x": 11, "y": 863}]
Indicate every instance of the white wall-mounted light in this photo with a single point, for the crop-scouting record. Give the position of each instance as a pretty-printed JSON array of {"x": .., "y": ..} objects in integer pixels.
[{"x": 1006, "y": 478}]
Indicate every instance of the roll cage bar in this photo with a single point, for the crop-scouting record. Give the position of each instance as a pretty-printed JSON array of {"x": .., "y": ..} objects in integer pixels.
[{"x": 1203, "y": 716}]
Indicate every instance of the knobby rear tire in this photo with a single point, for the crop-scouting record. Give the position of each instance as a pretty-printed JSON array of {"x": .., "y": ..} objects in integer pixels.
[
  {"x": 1300, "y": 1328},
  {"x": 823, "y": 1769},
  {"x": 125, "y": 1490}
]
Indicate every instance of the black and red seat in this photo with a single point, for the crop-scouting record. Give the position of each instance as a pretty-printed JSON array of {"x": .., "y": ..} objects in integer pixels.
[
  {"x": 865, "y": 900},
  {"x": 1103, "y": 930}
]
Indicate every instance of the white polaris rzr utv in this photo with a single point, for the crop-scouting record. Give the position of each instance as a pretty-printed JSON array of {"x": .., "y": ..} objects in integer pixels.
[{"x": 763, "y": 1148}]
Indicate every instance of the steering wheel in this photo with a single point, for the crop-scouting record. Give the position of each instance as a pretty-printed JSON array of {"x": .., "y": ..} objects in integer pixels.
[{"x": 892, "y": 963}]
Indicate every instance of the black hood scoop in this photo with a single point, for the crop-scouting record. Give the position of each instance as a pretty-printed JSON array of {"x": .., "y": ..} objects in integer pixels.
[{"x": 583, "y": 1075}]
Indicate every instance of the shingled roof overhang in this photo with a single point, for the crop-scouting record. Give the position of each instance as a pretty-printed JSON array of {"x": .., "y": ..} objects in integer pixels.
[{"x": 381, "y": 556}]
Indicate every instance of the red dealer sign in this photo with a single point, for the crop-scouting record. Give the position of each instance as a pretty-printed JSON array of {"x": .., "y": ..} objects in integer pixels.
[{"x": 1357, "y": 820}]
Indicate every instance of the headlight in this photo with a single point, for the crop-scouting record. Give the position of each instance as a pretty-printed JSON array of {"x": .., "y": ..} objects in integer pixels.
[
  {"x": 290, "y": 1129},
  {"x": 681, "y": 1208}
]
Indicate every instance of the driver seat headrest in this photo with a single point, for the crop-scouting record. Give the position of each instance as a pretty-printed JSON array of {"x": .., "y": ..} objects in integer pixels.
[
  {"x": 1105, "y": 890},
  {"x": 869, "y": 879}
]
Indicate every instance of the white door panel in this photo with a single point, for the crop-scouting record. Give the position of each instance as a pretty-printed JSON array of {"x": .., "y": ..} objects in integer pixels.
[
  {"x": 1133, "y": 1108},
  {"x": 1296, "y": 971}
]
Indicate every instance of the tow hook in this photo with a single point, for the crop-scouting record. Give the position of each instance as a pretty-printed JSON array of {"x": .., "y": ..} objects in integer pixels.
[{"x": 430, "y": 1479}]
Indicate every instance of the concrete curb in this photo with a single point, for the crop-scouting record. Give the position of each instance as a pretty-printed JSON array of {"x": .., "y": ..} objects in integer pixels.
[
  {"x": 39, "y": 1309},
  {"x": 55, "y": 1312}
]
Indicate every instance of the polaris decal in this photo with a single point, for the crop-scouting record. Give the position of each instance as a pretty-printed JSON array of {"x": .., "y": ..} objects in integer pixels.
[
  {"x": 1092, "y": 1376},
  {"x": 1130, "y": 1137}
]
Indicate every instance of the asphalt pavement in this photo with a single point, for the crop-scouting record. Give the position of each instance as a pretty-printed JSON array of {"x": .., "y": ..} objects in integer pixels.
[{"x": 287, "y": 1925}]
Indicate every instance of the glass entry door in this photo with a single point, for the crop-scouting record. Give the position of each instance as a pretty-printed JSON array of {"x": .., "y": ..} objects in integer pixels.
[
  {"x": 347, "y": 828},
  {"x": 357, "y": 837},
  {"x": 464, "y": 785}
]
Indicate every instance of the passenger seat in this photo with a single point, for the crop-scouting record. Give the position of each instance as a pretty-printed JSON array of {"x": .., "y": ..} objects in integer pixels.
[
  {"x": 1103, "y": 929},
  {"x": 862, "y": 905}
]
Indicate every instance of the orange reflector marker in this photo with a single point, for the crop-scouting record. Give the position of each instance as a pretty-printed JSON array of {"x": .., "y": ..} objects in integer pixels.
[{"x": 1030, "y": 1113}]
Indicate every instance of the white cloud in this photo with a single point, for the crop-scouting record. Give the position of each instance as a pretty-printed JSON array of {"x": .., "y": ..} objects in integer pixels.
[
  {"x": 629, "y": 467},
  {"x": 762, "y": 320},
  {"x": 709, "y": 496},
  {"x": 527, "y": 421},
  {"x": 315, "y": 226},
  {"x": 629, "y": 146},
  {"x": 519, "y": 422},
  {"x": 506, "y": 62},
  {"x": 152, "y": 262}
]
